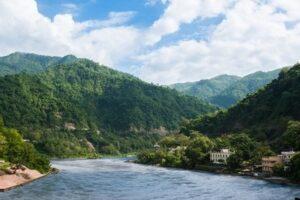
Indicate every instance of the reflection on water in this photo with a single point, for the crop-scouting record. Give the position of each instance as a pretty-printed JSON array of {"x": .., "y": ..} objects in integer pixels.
[{"x": 115, "y": 179}]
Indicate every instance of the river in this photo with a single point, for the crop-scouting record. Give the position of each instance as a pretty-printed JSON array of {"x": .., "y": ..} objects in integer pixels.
[{"x": 115, "y": 179}]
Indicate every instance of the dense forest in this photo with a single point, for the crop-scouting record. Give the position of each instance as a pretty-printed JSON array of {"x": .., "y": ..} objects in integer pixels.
[
  {"x": 79, "y": 108},
  {"x": 271, "y": 114},
  {"x": 30, "y": 63},
  {"x": 15, "y": 150},
  {"x": 226, "y": 90}
]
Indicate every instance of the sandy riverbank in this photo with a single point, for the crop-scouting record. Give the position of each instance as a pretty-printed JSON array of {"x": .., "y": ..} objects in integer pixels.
[{"x": 21, "y": 177}]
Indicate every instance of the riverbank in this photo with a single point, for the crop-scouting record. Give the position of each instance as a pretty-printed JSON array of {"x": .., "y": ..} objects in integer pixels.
[
  {"x": 224, "y": 171},
  {"x": 19, "y": 178}
]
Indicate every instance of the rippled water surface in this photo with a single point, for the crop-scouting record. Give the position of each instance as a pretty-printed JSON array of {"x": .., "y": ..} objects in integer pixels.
[{"x": 115, "y": 179}]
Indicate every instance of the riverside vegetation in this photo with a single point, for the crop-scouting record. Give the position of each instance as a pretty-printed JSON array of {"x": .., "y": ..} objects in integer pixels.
[
  {"x": 260, "y": 125},
  {"x": 15, "y": 151},
  {"x": 71, "y": 107}
]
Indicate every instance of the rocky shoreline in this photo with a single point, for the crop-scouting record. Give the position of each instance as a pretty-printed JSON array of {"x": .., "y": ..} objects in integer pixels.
[{"x": 21, "y": 177}]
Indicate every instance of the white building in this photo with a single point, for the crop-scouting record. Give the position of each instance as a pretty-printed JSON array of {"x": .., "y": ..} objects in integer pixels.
[
  {"x": 287, "y": 155},
  {"x": 220, "y": 157}
]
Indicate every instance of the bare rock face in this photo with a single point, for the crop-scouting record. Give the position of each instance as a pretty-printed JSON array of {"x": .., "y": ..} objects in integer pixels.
[
  {"x": 70, "y": 126},
  {"x": 2, "y": 172},
  {"x": 10, "y": 171},
  {"x": 90, "y": 146}
]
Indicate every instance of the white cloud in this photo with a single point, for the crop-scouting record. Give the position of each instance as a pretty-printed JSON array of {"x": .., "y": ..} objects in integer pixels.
[
  {"x": 254, "y": 35},
  {"x": 23, "y": 28},
  {"x": 181, "y": 12}
]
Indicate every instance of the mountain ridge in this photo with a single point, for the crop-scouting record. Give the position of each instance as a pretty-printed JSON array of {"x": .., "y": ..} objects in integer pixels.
[
  {"x": 226, "y": 90},
  {"x": 265, "y": 115},
  {"x": 67, "y": 106}
]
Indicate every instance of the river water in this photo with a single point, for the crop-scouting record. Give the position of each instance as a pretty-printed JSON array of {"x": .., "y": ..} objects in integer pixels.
[{"x": 115, "y": 179}]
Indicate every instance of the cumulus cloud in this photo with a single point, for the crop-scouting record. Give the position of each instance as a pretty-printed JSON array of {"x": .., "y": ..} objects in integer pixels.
[
  {"x": 181, "y": 12},
  {"x": 23, "y": 28},
  {"x": 253, "y": 35}
]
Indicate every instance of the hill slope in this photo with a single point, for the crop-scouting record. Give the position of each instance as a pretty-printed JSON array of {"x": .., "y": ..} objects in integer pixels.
[
  {"x": 225, "y": 91},
  {"x": 30, "y": 63},
  {"x": 74, "y": 104},
  {"x": 264, "y": 115},
  {"x": 205, "y": 89}
]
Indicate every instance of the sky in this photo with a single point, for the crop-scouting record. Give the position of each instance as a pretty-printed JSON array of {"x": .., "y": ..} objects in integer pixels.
[{"x": 159, "y": 41}]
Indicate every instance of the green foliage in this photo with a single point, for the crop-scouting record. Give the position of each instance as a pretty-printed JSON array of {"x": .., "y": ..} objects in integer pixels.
[
  {"x": 291, "y": 136},
  {"x": 193, "y": 151},
  {"x": 186, "y": 152},
  {"x": 295, "y": 167},
  {"x": 174, "y": 141},
  {"x": 90, "y": 98},
  {"x": 16, "y": 151},
  {"x": 30, "y": 63},
  {"x": 243, "y": 144},
  {"x": 260, "y": 151},
  {"x": 206, "y": 89},
  {"x": 225, "y": 91},
  {"x": 263, "y": 115},
  {"x": 110, "y": 150},
  {"x": 198, "y": 150},
  {"x": 278, "y": 170},
  {"x": 235, "y": 160}
]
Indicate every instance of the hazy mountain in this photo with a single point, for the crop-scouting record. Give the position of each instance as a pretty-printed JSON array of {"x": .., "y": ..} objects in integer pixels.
[
  {"x": 264, "y": 114},
  {"x": 225, "y": 90}
]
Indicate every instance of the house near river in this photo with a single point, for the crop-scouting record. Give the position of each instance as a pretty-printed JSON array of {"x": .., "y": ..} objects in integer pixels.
[
  {"x": 268, "y": 163},
  {"x": 220, "y": 157}
]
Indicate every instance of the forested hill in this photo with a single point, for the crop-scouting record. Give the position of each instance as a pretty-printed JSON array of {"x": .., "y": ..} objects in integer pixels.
[
  {"x": 226, "y": 90},
  {"x": 83, "y": 101},
  {"x": 30, "y": 63},
  {"x": 208, "y": 88},
  {"x": 265, "y": 114}
]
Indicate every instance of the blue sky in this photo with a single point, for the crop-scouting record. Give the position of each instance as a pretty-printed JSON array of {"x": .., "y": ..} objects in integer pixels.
[
  {"x": 159, "y": 41},
  {"x": 99, "y": 9}
]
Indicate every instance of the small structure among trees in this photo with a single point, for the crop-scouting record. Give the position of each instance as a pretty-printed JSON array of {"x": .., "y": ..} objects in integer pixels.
[{"x": 220, "y": 157}]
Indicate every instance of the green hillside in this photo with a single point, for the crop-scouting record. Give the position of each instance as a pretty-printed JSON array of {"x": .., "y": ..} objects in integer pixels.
[
  {"x": 81, "y": 107},
  {"x": 206, "y": 89},
  {"x": 266, "y": 115},
  {"x": 30, "y": 63},
  {"x": 244, "y": 86},
  {"x": 225, "y": 90}
]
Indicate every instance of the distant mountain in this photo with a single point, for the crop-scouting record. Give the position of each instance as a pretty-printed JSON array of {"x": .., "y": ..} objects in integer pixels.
[
  {"x": 225, "y": 90},
  {"x": 30, "y": 63},
  {"x": 264, "y": 115},
  {"x": 70, "y": 108},
  {"x": 208, "y": 88}
]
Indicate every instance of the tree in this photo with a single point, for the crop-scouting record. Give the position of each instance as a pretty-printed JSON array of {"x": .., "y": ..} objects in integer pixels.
[
  {"x": 198, "y": 150},
  {"x": 295, "y": 167},
  {"x": 234, "y": 161},
  {"x": 174, "y": 141},
  {"x": 259, "y": 152},
  {"x": 110, "y": 150},
  {"x": 1, "y": 122},
  {"x": 243, "y": 144},
  {"x": 18, "y": 152},
  {"x": 291, "y": 136}
]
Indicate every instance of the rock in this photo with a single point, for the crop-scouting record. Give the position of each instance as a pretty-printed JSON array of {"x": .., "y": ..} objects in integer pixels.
[
  {"x": 10, "y": 171},
  {"x": 2, "y": 172}
]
